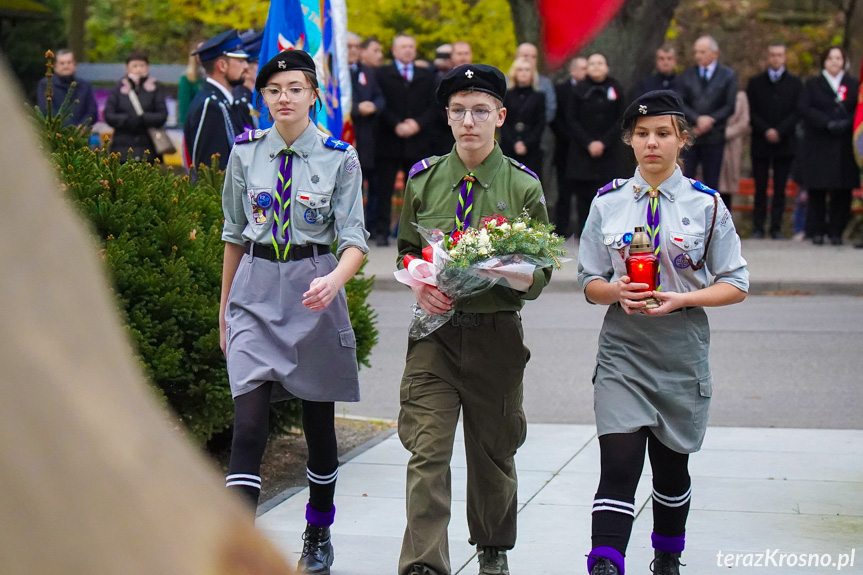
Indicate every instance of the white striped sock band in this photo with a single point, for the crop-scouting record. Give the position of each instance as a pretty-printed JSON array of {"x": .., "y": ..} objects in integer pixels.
[
  {"x": 322, "y": 479},
  {"x": 614, "y": 505},
  {"x": 243, "y": 479},
  {"x": 679, "y": 501}
]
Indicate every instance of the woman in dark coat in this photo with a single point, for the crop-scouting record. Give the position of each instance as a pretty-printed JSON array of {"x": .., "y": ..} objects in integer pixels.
[
  {"x": 826, "y": 162},
  {"x": 521, "y": 134},
  {"x": 130, "y": 128},
  {"x": 593, "y": 121}
]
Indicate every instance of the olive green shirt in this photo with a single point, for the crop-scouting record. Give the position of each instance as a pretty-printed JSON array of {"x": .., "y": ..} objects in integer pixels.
[{"x": 501, "y": 187}]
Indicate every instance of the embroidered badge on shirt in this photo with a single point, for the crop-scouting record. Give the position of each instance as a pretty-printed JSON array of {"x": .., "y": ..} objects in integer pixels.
[
  {"x": 259, "y": 215},
  {"x": 724, "y": 219},
  {"x": 315, "y": 179},
  {"x": 681, "y": 262},
  {"x": 352, "y": 164},
  {"x": 542, "y": 199},
  {"x": 263, "y": 200},
  {"x": 685, "y": 221},
  {"x": 309, "y": 216},
  {"x": 501, "y": 205}
]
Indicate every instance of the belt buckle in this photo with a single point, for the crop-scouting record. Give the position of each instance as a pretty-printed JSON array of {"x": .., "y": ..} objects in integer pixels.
[{"x": 460, "y": 319}]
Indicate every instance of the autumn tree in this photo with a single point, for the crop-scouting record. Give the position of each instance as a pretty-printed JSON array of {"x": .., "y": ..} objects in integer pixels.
[{"x": 486, "y": 24}]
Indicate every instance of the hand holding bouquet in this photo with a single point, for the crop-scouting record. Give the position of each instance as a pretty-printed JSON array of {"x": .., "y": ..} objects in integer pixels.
[{"x": 472, "y": 260}]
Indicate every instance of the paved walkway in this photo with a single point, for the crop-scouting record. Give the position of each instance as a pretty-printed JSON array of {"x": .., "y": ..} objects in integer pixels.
[
  {"x": 758, "y": 493},
  {"x": 795, "y": 491}
]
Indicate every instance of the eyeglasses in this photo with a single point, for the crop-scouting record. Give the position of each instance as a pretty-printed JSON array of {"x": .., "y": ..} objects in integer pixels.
[
  {"x": 294, "y": 93},
  {"x": 478, "y": 114}
]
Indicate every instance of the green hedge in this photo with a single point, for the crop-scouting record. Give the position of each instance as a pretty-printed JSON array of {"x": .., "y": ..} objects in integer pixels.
[{"x": 161, "y": 240}]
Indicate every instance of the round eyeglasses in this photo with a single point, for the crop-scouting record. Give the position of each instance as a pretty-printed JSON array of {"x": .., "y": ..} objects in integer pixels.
[
  {"x": 294, "y": 93},
  {"x": 478, "y": 114}
]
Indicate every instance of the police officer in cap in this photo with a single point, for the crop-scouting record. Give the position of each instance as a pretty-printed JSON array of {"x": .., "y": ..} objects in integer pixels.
[
  {"x": 476, "y": 361},
  {"x": 215, "y": 118},
  {"x": 244, "y": 93},
  {"x": 652, "y": 383}
]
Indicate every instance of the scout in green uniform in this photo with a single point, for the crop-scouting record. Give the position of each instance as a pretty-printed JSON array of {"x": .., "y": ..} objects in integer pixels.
[{"x": 476, "y": 361}]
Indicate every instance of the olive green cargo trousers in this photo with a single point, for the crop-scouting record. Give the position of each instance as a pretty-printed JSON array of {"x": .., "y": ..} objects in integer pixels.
[{"x": 473, "y": 363}]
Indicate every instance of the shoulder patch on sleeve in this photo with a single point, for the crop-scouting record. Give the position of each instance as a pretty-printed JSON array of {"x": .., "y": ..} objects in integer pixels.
[
  {"x": 614, "y": 184},
  {"x": 523, "y": 168},
  {"x": 423, "y": 165},
  {"x": 702, "y": 188},
  {"x": 250, "y": 136},
  {"x": 335, "y": 144}
]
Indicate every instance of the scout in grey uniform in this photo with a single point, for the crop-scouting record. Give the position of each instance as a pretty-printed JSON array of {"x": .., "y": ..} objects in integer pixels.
[
  {"x": 476, "y": 361},
  {"x": 652, "y": 383},
  {"x": 289, "y": 193}
]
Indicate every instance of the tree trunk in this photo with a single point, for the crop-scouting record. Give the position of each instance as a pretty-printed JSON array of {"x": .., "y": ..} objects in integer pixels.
[
  {"x": 525, "y": 17},
  {"x": 852, "y": 42},
  {"x": 77, "y": 20},
  {"x": 631, "y": 40}
]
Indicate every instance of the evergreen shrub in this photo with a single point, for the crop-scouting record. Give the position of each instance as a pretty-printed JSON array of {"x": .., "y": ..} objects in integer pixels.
[{"x": 161, "y": 243}]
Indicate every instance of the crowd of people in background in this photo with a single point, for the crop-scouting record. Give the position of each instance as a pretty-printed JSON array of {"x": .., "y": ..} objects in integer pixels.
[
  {"x": 796, "y": 132},
  {"x": 568, "y": 132}
]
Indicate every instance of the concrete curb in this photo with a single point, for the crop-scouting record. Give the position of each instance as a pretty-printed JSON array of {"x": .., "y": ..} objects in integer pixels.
[{"x": 356, "y": 451}]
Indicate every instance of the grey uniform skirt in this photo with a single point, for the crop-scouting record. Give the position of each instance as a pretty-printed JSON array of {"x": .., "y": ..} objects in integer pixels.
[
  {"x": 272, "y": 337},
  {"x": 654, "y": 372}
]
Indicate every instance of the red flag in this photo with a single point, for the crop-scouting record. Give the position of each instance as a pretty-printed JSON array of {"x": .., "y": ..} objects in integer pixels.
[
  {"x": 568, "y": 26},
  {"x": 858, "y": 121}
]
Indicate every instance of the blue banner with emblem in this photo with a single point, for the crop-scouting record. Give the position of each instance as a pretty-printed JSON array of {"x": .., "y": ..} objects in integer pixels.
[{"x": 318, "y": 27}]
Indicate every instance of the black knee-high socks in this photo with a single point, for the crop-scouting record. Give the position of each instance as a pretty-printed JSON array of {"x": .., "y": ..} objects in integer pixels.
[
  {"x": 622, "y": 460},
  {"x": 251, "y": 429}
]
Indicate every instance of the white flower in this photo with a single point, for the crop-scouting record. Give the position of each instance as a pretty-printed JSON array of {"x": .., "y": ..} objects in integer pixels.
[
  {"x": 453, "y": 253},
  {"x": 491, "y": 224},
  {"x": 483, "y": 251},
  {"x": 505, "y": 227},
  {"x": 519, "y": 226},
  {"x": 483, "y": 237}
]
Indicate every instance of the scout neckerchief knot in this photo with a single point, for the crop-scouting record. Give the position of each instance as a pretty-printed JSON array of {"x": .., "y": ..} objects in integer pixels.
[
  {"x": 465, "y": 204},
  {"x": 283, "y": 201},
  {"x": 653, "y": 229}
]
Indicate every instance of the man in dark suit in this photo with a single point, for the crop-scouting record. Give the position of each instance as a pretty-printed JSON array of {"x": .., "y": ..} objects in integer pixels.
[
  {"x": 215, "y": 118},
  {"x": 563, "y": 91},
  {"x": 368, "y": 102},
  {"x": 708, "y": 91},
  {"x": 665, "y": 77},
  {"x": 773, "y": 97},
  {"x": 404, "y": 125}
]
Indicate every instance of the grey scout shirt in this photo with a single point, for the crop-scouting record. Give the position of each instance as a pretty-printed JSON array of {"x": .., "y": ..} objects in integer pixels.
[
  {"x": 502, "y": 187},
  {"x": 685, "y": 216},
  {"x": 326, "y": 190}
]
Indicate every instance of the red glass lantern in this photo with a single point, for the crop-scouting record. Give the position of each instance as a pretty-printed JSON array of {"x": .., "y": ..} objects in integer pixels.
[{"x": 641, "y": 263}]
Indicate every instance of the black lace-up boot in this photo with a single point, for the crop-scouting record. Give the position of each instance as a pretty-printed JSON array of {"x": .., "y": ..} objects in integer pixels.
[
  {"x": 604, "y": 566},
  {"x": 317, "y": 551},
  {"x": 665, "y": 563}
]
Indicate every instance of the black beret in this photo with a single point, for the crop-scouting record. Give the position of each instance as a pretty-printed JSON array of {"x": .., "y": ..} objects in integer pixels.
[
  {"x": 472, "y": 78},
  {"x": 284, "y": 61},
  {"x": 655, "y": 103}
]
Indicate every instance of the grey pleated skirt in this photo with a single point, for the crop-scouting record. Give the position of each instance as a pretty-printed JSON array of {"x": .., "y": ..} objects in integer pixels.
[
  {"x": 654, "y": 372},
  {"x": 271, "y": 336}
]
